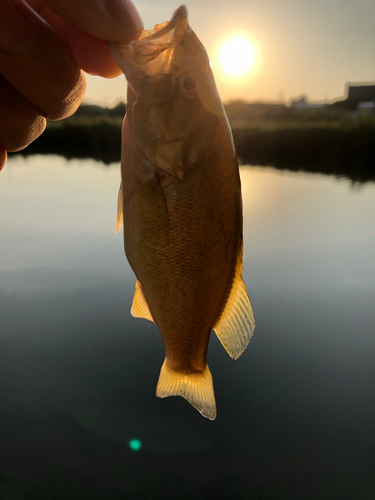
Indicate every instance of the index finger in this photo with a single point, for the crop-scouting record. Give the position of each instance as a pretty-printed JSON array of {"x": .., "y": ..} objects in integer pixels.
[{"x": 110, "y": 20}]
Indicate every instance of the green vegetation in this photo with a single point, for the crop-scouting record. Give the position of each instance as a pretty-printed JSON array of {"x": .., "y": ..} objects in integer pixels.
[
  {"x": 92, "y": 132},
  {"x": 326, "y": 140},
  {"x": 341, "y": 148}
]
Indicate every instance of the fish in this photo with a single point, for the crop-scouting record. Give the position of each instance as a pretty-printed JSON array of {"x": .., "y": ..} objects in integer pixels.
[{"x": 180, "y": 206}]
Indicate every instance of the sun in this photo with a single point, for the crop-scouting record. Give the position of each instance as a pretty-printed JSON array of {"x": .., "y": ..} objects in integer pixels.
[{"x": 237, "y": 56}]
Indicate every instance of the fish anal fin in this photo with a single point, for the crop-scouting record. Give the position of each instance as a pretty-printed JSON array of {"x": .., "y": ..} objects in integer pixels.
[
  {"x": 120, "y": 212},
  {"x": 196, "y": 388},
  {"x": 236, "y": 324},
  {"x": 140, "y": 307}
]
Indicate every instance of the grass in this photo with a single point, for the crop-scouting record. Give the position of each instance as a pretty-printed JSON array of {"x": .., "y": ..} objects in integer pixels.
[{"x": 341, "y": 148}]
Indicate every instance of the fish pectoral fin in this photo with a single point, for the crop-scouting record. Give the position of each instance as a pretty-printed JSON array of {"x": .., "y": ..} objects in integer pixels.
[
  {"x": 120, "y": 211},
  {"x": 140, "y": 307},
  {"x": 196, "y": 388},
  {"x": 236, "y": 325}
]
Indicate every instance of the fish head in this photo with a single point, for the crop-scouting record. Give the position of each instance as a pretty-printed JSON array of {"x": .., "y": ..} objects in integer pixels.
[{"x": 171, "y": 93}]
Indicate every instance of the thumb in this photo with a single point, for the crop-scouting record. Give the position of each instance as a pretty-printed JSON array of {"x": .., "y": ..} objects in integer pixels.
[{"x": 110, "y": 20}]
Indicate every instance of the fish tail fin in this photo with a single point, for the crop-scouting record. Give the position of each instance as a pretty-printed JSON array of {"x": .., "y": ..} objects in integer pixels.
[{"x": 196, "y": 388}]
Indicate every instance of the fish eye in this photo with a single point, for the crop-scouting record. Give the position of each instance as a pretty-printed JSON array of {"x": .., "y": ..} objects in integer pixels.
[
  {"x": 189, "y": 83},
  {"x": 189, "y": 86}
]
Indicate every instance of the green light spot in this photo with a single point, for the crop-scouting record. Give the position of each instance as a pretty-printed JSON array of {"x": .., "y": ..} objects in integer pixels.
[{"x": 135, "y": 444}]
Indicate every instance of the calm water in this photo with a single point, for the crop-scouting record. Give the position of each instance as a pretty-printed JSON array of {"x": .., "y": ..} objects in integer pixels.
[{"x": 78, "y": 374}]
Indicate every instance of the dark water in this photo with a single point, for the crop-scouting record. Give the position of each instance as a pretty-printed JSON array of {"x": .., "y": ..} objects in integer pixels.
[{"x": 78, "y": 374}]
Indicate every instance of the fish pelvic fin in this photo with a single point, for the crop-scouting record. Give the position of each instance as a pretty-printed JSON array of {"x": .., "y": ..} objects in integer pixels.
[
  {"x": 196, "y": 388},
  {"x": 140, "y": 307},
  {"x": 236, "y": 324},
  {"x": 120, "y": 211}
]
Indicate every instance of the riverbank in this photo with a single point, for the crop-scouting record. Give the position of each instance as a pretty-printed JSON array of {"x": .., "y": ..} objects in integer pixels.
[
  {"x": 324, "y": 141},
  {"x": 329, "y": 148}
]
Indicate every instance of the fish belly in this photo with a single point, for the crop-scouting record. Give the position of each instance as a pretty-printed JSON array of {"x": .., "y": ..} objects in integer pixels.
[{"x": 182, "y": 239}]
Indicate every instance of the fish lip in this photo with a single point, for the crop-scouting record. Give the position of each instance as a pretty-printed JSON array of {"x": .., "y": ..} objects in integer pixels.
[
  {"x": 155, "y": 41},
  {"x": 149, "y": 35},
  {"x": 179, "y": 14},
  {"x": 152, "y": 53}
]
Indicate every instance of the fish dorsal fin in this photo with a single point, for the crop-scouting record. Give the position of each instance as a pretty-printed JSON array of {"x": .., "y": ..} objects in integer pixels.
[
  {"x": 235, "y": 326},
  {"x": 120, "y": 213},
  {"x": 140, "y": 307},
  {"x": 196, "y": 388}
]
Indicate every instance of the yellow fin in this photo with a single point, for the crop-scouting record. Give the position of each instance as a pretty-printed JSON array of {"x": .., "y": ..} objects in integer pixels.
[
  {"x": 120, "y": 213},
  {"x": 196, "y": 388},
  {"x": 139, "y": 307},
  {"x": 236, "y": 325}
]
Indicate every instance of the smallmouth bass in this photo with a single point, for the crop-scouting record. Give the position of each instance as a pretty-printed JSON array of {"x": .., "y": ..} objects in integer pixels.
[{"x": 181, "y": 207}]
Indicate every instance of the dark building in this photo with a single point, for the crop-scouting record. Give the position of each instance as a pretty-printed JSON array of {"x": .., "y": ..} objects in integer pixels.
[
  {"x": 356, "y": 94},
  {"x": 361, "y": 93}
]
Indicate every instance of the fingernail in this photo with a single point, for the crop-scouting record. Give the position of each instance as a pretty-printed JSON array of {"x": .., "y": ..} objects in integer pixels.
[{"x": 126, "y": 16}]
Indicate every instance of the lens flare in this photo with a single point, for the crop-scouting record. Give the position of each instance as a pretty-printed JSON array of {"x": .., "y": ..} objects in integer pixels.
[{"x": 135, "y": 444}]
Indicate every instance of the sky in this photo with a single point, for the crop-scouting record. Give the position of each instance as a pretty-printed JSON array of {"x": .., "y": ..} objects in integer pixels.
[{"x": 312, "y": 48}]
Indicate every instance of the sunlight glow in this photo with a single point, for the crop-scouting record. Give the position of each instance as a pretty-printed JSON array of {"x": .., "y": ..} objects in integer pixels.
[{"x": 237, "y": 56}]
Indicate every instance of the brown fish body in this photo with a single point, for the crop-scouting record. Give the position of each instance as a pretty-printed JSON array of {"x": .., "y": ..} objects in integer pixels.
[
  {"x": 182, "y": 212},
  {"x": 182, "y": 241}
]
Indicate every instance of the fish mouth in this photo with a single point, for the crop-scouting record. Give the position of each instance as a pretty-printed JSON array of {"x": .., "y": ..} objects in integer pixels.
[
  {"x": 160, "y": 30},
  {"x": 154, "y": 52},
  {"x": 169, "y": 50}
]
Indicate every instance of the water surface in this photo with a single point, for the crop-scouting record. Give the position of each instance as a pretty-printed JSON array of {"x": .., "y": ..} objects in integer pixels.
[{"x": 78, "y": 373}]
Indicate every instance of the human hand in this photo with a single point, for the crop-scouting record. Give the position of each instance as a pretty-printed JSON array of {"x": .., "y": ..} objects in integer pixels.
[{"x": 44, "y": 46}]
